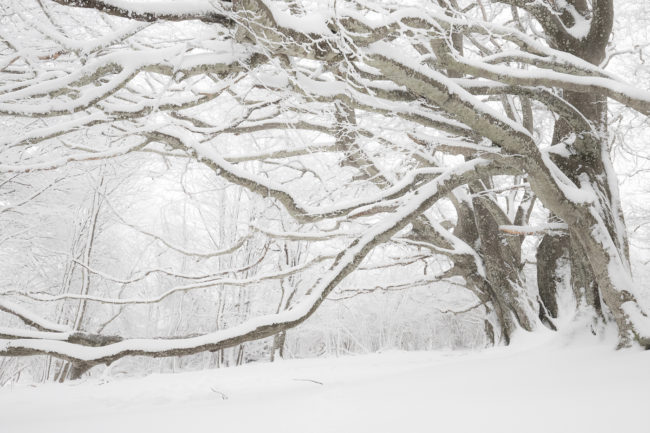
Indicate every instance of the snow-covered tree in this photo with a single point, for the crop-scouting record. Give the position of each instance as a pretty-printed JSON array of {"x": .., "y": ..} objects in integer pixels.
[{"x": 419, "y": 135}]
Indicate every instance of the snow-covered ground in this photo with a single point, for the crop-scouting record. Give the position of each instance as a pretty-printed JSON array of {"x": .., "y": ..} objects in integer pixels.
[{"x": 543, "y": 384}]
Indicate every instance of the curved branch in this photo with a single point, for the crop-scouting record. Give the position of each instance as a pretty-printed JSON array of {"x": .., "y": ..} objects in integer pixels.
[
  {"x": 31, "y": 319},
  {"x": 627, "y": 95}
]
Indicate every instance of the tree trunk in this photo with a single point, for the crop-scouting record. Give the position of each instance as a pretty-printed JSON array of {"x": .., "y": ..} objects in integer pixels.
[
  {"x": 589, "y": 166},
  {"x": 552, "y": 254}
]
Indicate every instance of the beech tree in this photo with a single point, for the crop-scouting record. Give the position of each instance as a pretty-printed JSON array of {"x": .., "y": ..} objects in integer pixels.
[{"x": 433, "y": 129}]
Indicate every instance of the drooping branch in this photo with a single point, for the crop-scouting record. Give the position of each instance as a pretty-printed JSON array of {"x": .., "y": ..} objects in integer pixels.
[
  {"x": 91, "y": 351},
  {"x": 29, "y": 318}
]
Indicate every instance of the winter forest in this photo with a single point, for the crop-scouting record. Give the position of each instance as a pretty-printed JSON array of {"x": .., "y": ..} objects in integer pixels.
[{"x": 350, "y": 201}]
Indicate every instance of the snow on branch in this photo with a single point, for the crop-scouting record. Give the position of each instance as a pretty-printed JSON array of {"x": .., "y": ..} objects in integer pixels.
[
  {"x": 534, "y": 230},
  {"x": 627, "y": 95},
  {"x": 30, "y": 318},
  {"x": 151, "y": 11}
]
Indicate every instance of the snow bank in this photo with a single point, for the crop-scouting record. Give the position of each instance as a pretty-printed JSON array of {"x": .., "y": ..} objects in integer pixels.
[{"x": 534, "y": 386}]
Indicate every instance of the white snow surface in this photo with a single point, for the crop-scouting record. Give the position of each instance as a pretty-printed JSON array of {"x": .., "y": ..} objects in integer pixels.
[{"x": 544, "y": 382}]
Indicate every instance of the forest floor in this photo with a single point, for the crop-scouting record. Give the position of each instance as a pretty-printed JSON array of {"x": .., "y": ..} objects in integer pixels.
[{"x": 542, "y": 383}]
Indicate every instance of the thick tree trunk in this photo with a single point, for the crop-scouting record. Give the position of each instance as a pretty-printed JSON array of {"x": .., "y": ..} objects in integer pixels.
[{"x": 598, "y": 246}]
